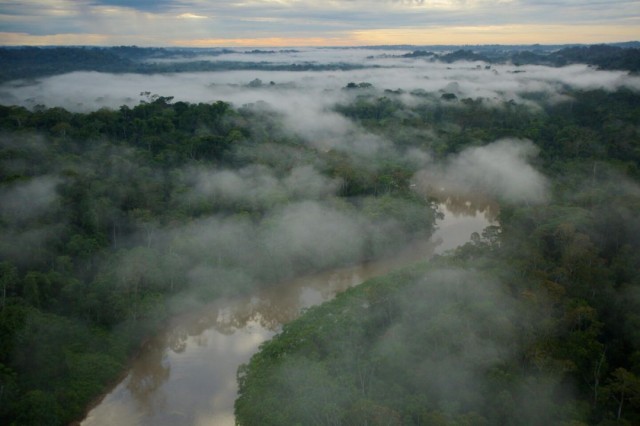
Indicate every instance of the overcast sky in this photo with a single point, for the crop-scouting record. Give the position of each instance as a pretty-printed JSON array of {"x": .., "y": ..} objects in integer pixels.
[{"x": 315, "y": 22}]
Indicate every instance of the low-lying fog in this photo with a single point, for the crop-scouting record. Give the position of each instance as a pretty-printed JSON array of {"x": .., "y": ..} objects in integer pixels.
[{"x": 309, "y": 92}]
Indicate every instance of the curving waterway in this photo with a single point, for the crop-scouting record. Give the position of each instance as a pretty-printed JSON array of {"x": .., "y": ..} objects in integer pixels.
[{"x": 187, "y": 374}]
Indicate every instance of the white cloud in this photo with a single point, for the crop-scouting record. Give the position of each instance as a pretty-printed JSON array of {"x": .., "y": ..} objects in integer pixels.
[{"x": 191, "y": 16}]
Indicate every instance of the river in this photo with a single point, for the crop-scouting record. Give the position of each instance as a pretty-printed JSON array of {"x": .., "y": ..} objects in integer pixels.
[{"x": 187, "y": 375}]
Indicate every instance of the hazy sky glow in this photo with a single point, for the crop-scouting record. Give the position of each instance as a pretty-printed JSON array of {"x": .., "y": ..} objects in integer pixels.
[{"x": 314, "y": 23}]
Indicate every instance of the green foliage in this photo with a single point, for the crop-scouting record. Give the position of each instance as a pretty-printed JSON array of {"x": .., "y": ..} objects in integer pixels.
[{"x": 62, "y": 364}]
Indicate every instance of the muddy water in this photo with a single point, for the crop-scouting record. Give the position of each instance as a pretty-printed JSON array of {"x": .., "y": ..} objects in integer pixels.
[{"x": 187, "y": 375}]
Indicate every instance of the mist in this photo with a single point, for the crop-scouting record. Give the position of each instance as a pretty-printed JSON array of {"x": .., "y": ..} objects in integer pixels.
[
  {"x": 87, "y": 91},
  {"x": 356, "y": 56},
  {"x": 26, "y": 210},
  {"x": 231, "y": 253},
  {"x": 258, "y": 186},
  {"x": 500, "y": 169},
  {"x": 26, "y": 201}
]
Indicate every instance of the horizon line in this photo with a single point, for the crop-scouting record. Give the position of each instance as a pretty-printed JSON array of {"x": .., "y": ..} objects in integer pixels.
[{"x": 355, "y": 46}]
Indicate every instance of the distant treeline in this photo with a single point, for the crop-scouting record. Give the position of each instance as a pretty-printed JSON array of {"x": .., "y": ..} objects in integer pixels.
[
  {"x": 33, "y": 62},
  {"x": 602, "y": 56}
]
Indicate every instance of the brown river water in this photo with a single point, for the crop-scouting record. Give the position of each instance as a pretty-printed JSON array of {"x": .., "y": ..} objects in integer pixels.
[{"x": 187, "y": 374}]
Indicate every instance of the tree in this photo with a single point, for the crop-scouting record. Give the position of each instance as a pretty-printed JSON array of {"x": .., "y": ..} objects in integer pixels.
[
  {"x": 624, "y": 386},
  {"x": 8, "y": 280}
]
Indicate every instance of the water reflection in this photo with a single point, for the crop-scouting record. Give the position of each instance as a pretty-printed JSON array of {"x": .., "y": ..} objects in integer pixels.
[
  {"x": 151, "y": 371},
  {"x": 187, "y": 375},
  {"x": 454, "y": 198},
  {"x": 469, "y": 205}
]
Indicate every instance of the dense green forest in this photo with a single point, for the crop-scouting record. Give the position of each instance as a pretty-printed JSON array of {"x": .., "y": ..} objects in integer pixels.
[
  {"x": 115, "y": 220},
  {"x": 534, "y": 321}
]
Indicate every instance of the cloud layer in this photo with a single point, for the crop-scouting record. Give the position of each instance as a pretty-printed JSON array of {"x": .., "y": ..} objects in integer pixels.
[{"x": 305, "y": 22}]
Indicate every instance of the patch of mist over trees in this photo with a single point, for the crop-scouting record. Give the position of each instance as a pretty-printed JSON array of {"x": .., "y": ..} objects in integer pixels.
[{"x": 114, "y": 220}]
